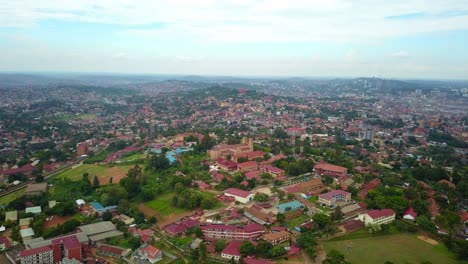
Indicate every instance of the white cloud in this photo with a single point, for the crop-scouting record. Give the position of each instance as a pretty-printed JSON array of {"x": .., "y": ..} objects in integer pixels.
[
  {"x": 400, "y": 54},
  {"x": 246, "y": 21}
]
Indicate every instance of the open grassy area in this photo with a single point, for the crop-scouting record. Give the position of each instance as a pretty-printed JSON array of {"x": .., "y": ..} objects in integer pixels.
[
  {"x": 12, "y": 196},
  {"x": 87, "y": 116},
  {"x": 297, "y": 221},
  {"x": 163, "y": 204},
  {"x": 103, "y": 172},
  {"x": 135, "y": 156},
  {"x": 399, "y": 248}
]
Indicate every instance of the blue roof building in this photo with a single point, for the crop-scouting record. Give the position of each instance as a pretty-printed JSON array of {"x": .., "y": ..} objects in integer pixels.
[{"x": 290, "y": 206}]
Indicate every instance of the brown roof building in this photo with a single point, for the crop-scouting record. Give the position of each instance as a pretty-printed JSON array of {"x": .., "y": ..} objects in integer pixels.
[{"x": 277, "y": 238}]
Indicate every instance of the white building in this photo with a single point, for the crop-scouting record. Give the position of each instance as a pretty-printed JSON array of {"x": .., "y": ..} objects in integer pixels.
[
  {"x": 377, "y": 217},
  {"x": 240, "y": 195}
]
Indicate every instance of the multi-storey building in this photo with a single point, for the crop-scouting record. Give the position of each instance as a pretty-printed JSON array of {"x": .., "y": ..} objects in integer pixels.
[
  {"x": 331, "y": 198},
  {"x": 277, "y": 238},
  {"x": 378, "y": 217},
  {"x": 40, "y": 255},
  {"x": 250, "y": 231},
  {"x": 225, "y": 150},
  {"x": 330, "y": 170}
]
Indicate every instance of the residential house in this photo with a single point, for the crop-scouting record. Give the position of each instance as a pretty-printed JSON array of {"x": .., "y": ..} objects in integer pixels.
[
  {"x": 151, "y": 253},
  {"x": 240, "y": 195},
  {"x": 232, "y": 250},
  {"x": 410, "y": 214}
]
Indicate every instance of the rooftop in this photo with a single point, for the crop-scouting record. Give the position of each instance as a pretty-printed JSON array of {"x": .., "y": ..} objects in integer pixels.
[
  {"x": 237, "y": 192},
  {"x": 233, "y": 248},
  {"x": 332, "y": 194}
]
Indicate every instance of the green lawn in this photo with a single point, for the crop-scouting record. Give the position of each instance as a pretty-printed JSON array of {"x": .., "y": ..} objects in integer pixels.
[
  {"x": 87, "y": 116},
  {"x": 400, "y": 248},
  {"x": 163, "y": 204},
  {"x": 297, "y": 221},
  {"x": 135, "y": 156},
  {"x": 92, "y": 169},
  {"x": 12, "y": 196}
]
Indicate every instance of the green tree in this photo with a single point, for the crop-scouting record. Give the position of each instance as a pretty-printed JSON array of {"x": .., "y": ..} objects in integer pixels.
[
  {"x": 106, "y": 216},
  {"x": 321, "y": 220},
  {"x": 335, "y": 257},
  {"x": 15, "y": 234},
  {"x": 337, "y": 214},
  {"x": 246, "y": 248},
  {"x": 96, "y": 182},
  {"x": 220, "y": 245},
  {"x": 202, "y": 250},
  {"x": 263, "y": 247}
]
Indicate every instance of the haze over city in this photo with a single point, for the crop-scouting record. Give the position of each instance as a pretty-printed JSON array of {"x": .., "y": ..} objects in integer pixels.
[
  {"x": 391, "y": 39},
  {"x": 240, "y": 132}
]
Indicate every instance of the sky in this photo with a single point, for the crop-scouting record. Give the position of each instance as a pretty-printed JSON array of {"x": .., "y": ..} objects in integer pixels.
[{"x": 309, "y": 38}]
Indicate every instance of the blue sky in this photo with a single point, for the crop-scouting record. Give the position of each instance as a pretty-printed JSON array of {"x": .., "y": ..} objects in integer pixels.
[{"x": 393, "y": 39}]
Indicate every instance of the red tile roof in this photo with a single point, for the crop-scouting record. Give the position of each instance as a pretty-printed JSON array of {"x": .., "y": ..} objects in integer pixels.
[
  {"x": 35, "y": 251},
  {"x": 69, "y": 242},
  {"x": 374, "y": 214},
  {"x": 110, "y": 249},
  {"x": 233, "y": 248},
  {"x": 150, "y": 251},
  {"x": 410, "y": 211},
  {"x": 237, "y": 192},
  {"x": 330, "y": 167}
]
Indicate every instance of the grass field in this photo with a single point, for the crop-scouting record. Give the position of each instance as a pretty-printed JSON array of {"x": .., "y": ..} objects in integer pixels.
[
  {"x": 135, "y": 156},
  {"x": 163, "y": 204},
  {"x": 12, "y": 196},
  {"x": 399, "y": 248},
  {"x": 297, "y": 221},
  {"x": 103, "y": 172},
  {"x": 87, "y": 116}
]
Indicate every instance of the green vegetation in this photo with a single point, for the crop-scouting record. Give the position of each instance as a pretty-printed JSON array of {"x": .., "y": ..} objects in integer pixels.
[
  {"x": 163, "y": 204},
  {"x": 75, "y": 174},
  {"x": 395, "y": 248},
  {"x": 297, "y": 221},
  {"x": 86, "y": 116},
  {"x": 12, "y": 196}
]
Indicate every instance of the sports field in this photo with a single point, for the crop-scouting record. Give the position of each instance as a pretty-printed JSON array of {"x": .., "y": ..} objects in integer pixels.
[
  {"x": 104, "y": 173},
  {"x": 399, "y": 248}
]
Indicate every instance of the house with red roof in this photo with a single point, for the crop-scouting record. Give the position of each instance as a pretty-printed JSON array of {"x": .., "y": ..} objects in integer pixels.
[
  {"x": 378, "y": 217},
  {"x": 232, "y": 250},
  {"x": 4, "y": 243},
  {"x": 226, "y": 165},
  {"x": 151, "y": 253},
  {"x": 295, "y": 131},
  {"x": 410, "y": 214},
  {"x": 324, "y": 168},
  {"x": 240, "y": 195},
  {"x": 247, "y": 166}
]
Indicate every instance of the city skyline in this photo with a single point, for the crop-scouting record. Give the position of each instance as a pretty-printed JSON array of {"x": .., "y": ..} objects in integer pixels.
[{"x": 423, "y": 39}]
